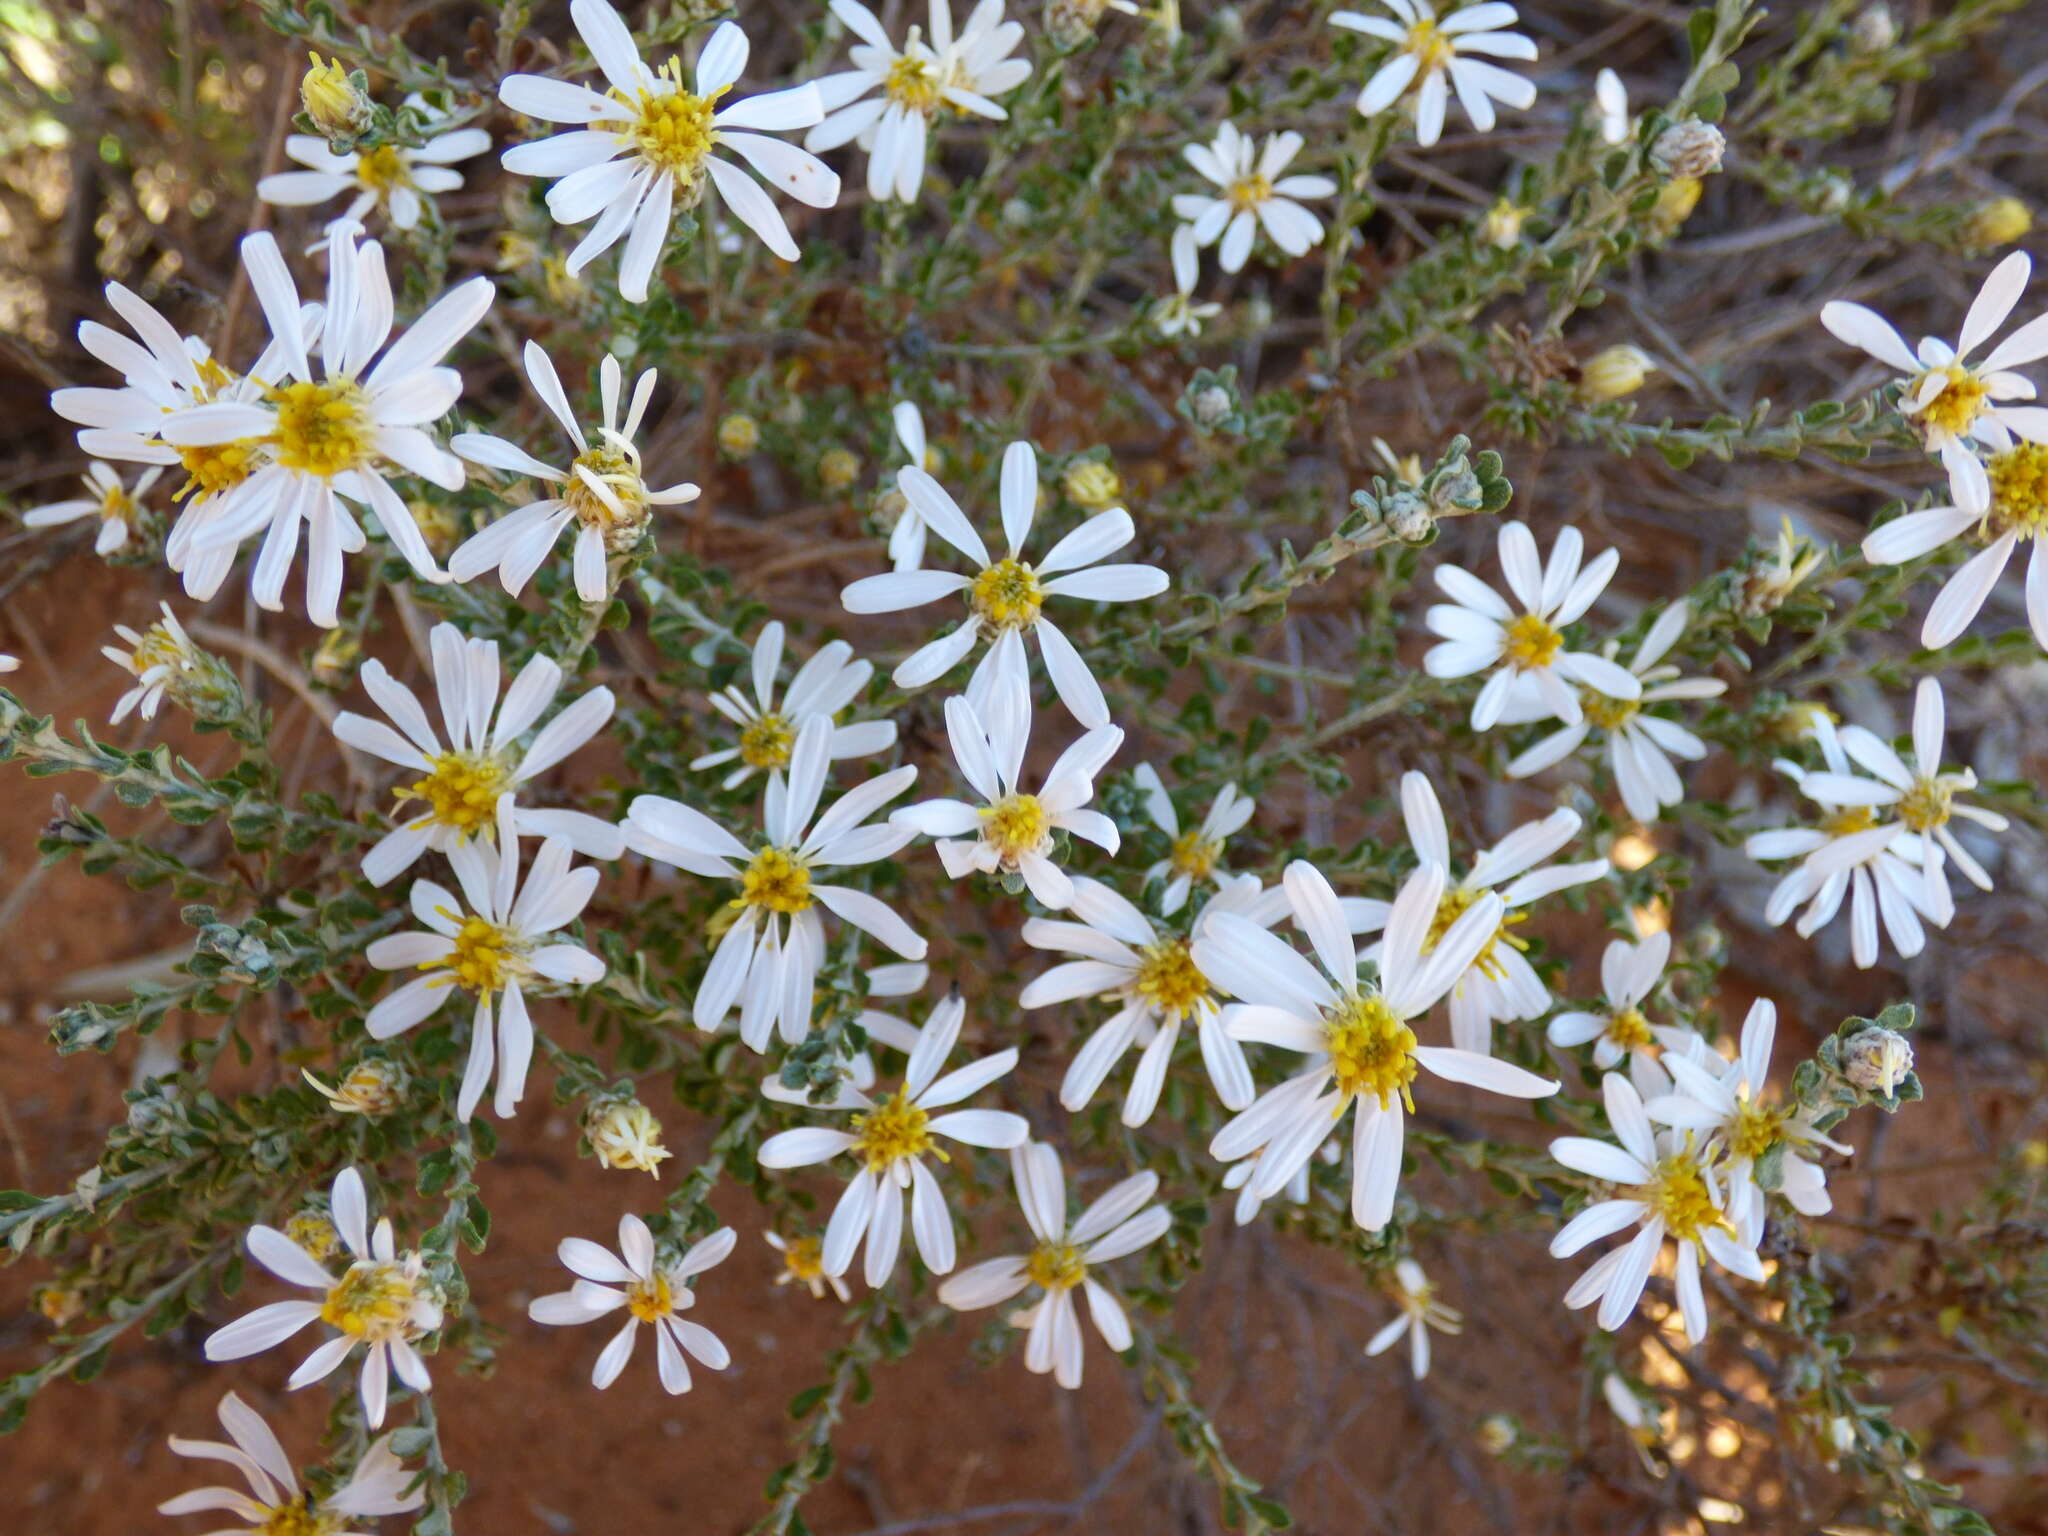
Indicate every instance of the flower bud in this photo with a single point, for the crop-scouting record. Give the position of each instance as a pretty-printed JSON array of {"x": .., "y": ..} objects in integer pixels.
[
  {"x": 1877, "y": 1060},
  {"x": 1502, "y": 226},
  {"x": 624, "y": 1134},
  {"x": 1998, "y": 222},
  {"x": 1614, "y": 372},
  {"x": 373, "y": 1086},
  {"x": 1873, "y": 30},
  {"x": 1674, "y": 206},
  {"x": 334, "y": 99},
  {"x": 1691, "y": 148},
  {"x": 59, "y": 1304},
  {"x": 1498, "y": 1434},
  {"x": 1092, "y": 485},
  {"x": 738, "y": 435},
  {"x": 837, "y": 469}
]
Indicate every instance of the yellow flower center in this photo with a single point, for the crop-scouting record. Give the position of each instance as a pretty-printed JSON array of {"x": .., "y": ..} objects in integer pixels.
[
  {"x": 804, "y": 1259},
  {"x": 382, "y": 169},
  {"x": 1015, "y": 825},
  {"x": 1926, "y": 805},
  {"x": 216, "y": 467},
  {"x": 1609, "y": 714},
  {"x": 1007, "y": 595},
  {"x": 1195, "y": 855},
  {"x": 117, "y": 506},
  {"x": 158, "y": 647},
  {"x": 1629, "y": 1029},
  {"x": 1755, "y": 1128},
  {"x": 462, "y": 790},
  {"x": 1452, "y": 906},
  {"x": 777, "y": 880},
  {"x": 2019, "y": 490},
  {"x": 373, "y": 1301},
  {"x": 913, "y": 85},
  {"x": 617, "y": 468},
  {"x": 1056, "y": 1266},
  {"x": 1849, "y": 820},
  {"x": 482, "y": 957},
  {"x": 314, "y": 1233},
  {"x": 322, "y": 429},
  {"x": 1677, "y": 1191},
  {"x": 1532, "y": 642},
  {"x": 893, "y": 1130},
  {"x": 1371, "y": 1051},
  {"x": 766, "y": 743},
  {"x": 297, "y": 1518},
  {"x": 1432, "y": 49},
  {"x": 1247, "y": 192},
  {"x": 1169, "y": 980},
  {"x": 672, "y": 130},
  {"x": 1958, "y": 405},
  {"x": 650, "y": 1300}
]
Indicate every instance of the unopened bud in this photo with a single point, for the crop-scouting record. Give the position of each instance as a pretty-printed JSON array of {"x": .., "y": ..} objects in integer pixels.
[
  {"x": 1690, "y": 148},
  {"x": 1093, "y": 485},
  {"x": 624, "y": 1134},
  {"x": 1615, "y": 372},
  {"x": 1502, "y": 226},
  {"x": 837, "y": 469},
  {"x": 1675, "y": 205},
  {"x": 738, "y": 435},
  {"x": 1877, "y": 1060},
  {"x": 373, "y": 1086},
  {"x": 334, "y": 99},
  {"x": 1873, "y": 30},
  {"x": 1998, "y": 222},
  {"x": 1498, "y": 1434}
]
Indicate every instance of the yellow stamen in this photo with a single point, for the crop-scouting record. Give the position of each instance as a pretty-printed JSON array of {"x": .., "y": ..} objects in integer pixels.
[
  {"x": 1847, "y": 821},
  {"x": 767, "y": 742},
  {"x": 1016, "y": 825},
  {"x": 1957, "y": 406},
  {"x": 2019, "y": 490},
  {"x": 216, "y": 467},
  {"x": 615, "y": 465},
  {"x": 1007, "y": 595},
  {"x": 1532, "y": 642},
  {"x": 483, "y": 957},
  {"x": 1678, "y": 1192},
  {"x": 296, "y": 1517},
  {"x": 1247, "y": 192},
  {"x": 383, "y": 169},
  {"x": 1609, "y": 714},
  {"x": 1629, "y": 1029},
  {"x": 1371, "y": 1051},
  {"x": 462, "y": 790},
  {"x": 314, "y": 1233},
  {"x": 894, "y": 1129},
  {"x": 672, "y": 129},
  {"x": 913, "y": 85},
  {"x": 777, "y": 880},
  {"x": 1453, "y": 905},
  {"x": 650, "y": 1300},
  {"x": 1169, "y": 980},
  {"x": 1432, "y": 49},
  {"x": 1755, "y": 1129},
  {"x": 1195, "y": 855},
  {"x": 1926, "y": 805},
  {"x": 374, "y": 1301},
  {"x": 1056, "y": 1266},
  {"x": 804, "y": 1259},
  {"x": 322, "y": 429}
]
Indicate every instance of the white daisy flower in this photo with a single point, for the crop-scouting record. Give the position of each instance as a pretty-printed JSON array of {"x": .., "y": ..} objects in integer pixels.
[
  {"x": 1848, "y": 854},
  {"x": 1726, "y": 1106},
  {"x": 1610, "y": 103},
  {"x": 1119, "y": 953},
  {"x": 602, "y": 490},
  {"x": 383, "y": 1301},
  {"x": 1252, "y": 192},
  {"x": 1011, "y": 831},
  {"x": 1005, "y": 597},
  {"x": 1196, "y": 855},
  {"x": 1953, "y": 402},
  {"x": 918, "y": 82},
  {"x": 1628, "y": 974},
  {"x": 1916, "y": 800},
  {"x": 337, "y": 434},
  {"x": 1524, "y": 646},
  {"x": 645, "y": 148},
  {"x": 892, "y": 1137},
  {"x": 1640, "y": 746},
  {"x": 1667, "y": 1187},
  {"x": 823, "y": 686},
  {"x": 803, "y": 1263},
  {"x": 158, "y": 658},
  {"x": 274, "y": 1504},
  {"x": 461, "y": 782},
  {"x": 906, "y": 538},
  {"x": 768, "y": 960},
  {"x": 1420, "y": 1312},
  {"x": 1115, "y": 1226},
  {"x": 389, "y": 176},
  {"x": 1362, "y": 1053},
  {"x": 2002, "y": 502},
  {"x": 1496, "y": 984},
  {"x": 1438, "y": 54},
  {"x": 496, "y": 946},
  {"x": 117, "y": 507},
  {"x": 1180, "y": 315},
  {"x": 651, "y": 1292}
]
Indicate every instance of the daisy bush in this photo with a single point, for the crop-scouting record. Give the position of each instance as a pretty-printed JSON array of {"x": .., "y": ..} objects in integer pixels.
[{"x": 1298, "y": 722}]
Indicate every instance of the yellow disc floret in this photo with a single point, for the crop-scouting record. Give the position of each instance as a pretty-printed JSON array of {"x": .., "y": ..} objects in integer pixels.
[
  {"x": 312, "y": 1231},
  {"x": 1432, "y": 49},
  {"x": 1453, "y": 905},
  {"x": 216, "y": 467},
  {"x": 913, "y": 84},
  {"x": 803, "y": 1260},
  {"x": 1371, "y": 1052},
  {"x": 382, "y": 169},
  {"x": 650, "y": 1300},
  {"x": 767, "y": 742},
  {"x": 1007, "y": 595},
  {"x": 295, "y": 1517},
  {"x": 1194, "y": 855},
  {"x": 462, "y": 790},
  {"x": 1247, "y": 192},
  {"x": 1849, "y": 820},
  {"x": 1169, "y": 979},
  {"x": 322, "y": 429},
  {"x": 1755, "y": 1129},
  {"x": 1956, "y": 405},
  {"x": 1609, "y": 714},
  {"x": 1629, "y": 1029},
  {"x": 777, "y": 880},
  {"x": 893, "y": 1130},
  {"x": 672, "y": 129},
  {"x": 375, "y": 1301},
  {"x": 1056, "y": 1266},
  {"x": 605, "y": 492},
  {"x": 1532, "y": 641},
  {"x": 1016, "y": 825},
  {"x": 1927, "y": 804},
  {"x": 1678, "y": 1192},
  {"x": 2019, "y": 490},
  {"x": 481, "y": 957}
]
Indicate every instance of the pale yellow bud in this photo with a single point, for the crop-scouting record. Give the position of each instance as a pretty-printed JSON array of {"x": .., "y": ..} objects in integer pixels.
[
  {"x": 1675, "y": 205},
  {"x": 333, "y": 100},
  {"x": 1615, "y": 372},
  {"x": 1502, "y": 226},
  {"x": 1998, "y": 222},
  {"x": 1093, "y": 485},
  {"x": 837, "y": 469},
  {"x": 738, "y": 435},
  {"x": 372, "y": 1087},
  {"x": 625, "y": 1134}
]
